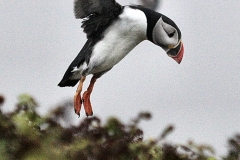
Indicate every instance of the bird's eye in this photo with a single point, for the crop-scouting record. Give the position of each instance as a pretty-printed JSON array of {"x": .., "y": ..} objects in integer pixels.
[{"x": 171, "y": 34}]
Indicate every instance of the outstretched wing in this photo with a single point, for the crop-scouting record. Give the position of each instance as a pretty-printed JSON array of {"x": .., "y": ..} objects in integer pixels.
[
  {"x": 83, "y": 8},
  {"x": 97, "y": 13}
]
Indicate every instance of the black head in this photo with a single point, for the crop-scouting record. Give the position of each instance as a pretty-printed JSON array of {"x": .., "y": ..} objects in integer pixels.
[{"x": 163, "y": 32}]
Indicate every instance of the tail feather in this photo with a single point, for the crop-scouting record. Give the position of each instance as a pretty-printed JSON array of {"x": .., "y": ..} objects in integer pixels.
[
  {"x": 83, "y": 56},
  {"x": 68, "y": 82}
]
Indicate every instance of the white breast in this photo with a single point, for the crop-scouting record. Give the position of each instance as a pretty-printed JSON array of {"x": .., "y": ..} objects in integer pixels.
[{"x": 119, "y": 39}]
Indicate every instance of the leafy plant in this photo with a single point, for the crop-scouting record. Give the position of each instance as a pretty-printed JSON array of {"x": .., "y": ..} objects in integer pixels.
[{"x": 26, "y": 135}]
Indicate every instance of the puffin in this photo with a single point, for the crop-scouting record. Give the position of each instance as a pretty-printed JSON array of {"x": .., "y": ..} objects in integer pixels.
[{"x": 112, "y": 31}]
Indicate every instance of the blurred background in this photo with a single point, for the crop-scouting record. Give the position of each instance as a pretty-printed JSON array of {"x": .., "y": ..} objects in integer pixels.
[{"x": 200, "y": 97}]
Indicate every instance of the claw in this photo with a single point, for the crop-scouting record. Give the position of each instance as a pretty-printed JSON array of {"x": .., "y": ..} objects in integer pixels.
[{"x": 76, "y": 113}]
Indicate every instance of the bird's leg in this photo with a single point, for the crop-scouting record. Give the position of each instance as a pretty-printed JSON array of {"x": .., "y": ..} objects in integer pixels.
[
  {"x": 77, "y": 97},
  {"x": 86, "y": 97}
]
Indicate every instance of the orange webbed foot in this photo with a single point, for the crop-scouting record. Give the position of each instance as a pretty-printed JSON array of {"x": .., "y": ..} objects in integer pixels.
[
  {"x": 77, "y": 103},
  {"x": 87, "y": 103},
  {"x": 77, "y": 97}
]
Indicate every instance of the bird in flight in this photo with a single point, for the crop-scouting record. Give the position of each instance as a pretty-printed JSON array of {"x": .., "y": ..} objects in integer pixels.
[{"x": 112, "y": 32}]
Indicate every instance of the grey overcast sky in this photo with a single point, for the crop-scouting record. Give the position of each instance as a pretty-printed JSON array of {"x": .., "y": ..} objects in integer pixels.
[{"x": 201, "y": 96}]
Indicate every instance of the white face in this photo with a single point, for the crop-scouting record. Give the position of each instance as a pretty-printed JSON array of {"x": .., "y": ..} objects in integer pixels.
[{"x": 165, "y": 35}]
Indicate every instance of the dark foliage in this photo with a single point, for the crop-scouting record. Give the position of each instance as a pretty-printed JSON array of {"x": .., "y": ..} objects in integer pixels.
[{"x": 27, "y": 135}]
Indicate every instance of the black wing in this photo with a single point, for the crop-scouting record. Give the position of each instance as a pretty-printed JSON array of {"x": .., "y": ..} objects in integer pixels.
[
  {"x": 83, "y": 8},
  {"x": 98, "y": 16}
]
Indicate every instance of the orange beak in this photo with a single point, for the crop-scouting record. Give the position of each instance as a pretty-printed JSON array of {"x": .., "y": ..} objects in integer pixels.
[{"x": 177, "y": 53}]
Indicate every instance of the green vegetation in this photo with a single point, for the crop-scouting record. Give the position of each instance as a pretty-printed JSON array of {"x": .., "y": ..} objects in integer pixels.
[{"x": 26, "y": 135}]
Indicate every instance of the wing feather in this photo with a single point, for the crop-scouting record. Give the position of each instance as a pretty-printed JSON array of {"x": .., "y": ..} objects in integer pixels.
[
  {"x": 97, "y": 14},
  {"x": 84, "y": 8}
]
